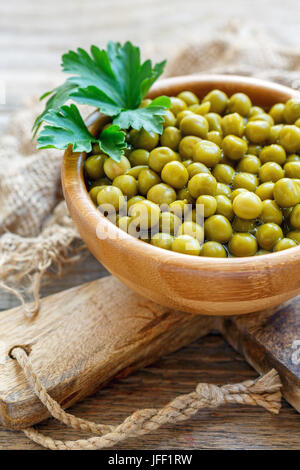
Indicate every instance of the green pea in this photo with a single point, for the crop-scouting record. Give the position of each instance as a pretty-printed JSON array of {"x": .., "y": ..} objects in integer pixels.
[
  {"x": 143, "y": 139},
  {"x": 295, "y": 217},
  {"x": 138, "y": 157},
  {"x": 112, "y": 169},
  {"x": 223, "y": 190},
  {"x": 268, "y": 235},
  {"x": 207, "y": 153},
  {"x": 197, "y": 167},
  {"x": 162, "y": 240},
  {"x": 175, "y": 174},
  {"x": 160, "y": 156},
  {"x": 271, "y": 212},
  {"x": 247, "y": 205},
  {"x": 145, "y": 214},
  {"x": 292, "y": 110},
  {"x": 193, "y": 229},
  {"x": 94, "y": 193},
  {"x": 271, "y": 171},
  {"x": 127, "y": 184},
  {"x": 243, "y": 225},
  {"x": 218, "y": 101},
  {"x": 286, "y": 192},
  {"x": 161, "y": 194},
  {"x": 170, "y": 137},
  {"x": 233, "y": 124},
  {"x": 185, "y": 194},
  {"x": 243, "y": 244},
  {"x": 110, "y": 199},
  {"x": 215, "y": 137},
  {"x": 258, "y": 131},
  {"x": 239, "y": 103},
  {"x": 289, "y": 138},
  {"x": 245, "y": 180},
  {"x": 218, "y": 228},
  {"x": 214, "y": 121},
  {"x": 284, "y": 244},
  {"x": 234, "y": 147},
  {"x": 186, "y": 244},
  {"x": 194, "y": 125},
  {"x": 224, "y": 206},
  {"x": 94, "y": 166},
  {"x": 202, "y": 183},
  {"x": 277, "y": 113},
  {"x": 265, "y": 190},
  {"x": 224, "y": 173},
  {"x": 186, "y": 146},
  {"x": 292, "y": 169},
  {"x": 294, "y": 235},
  {"x": 123, "y": 223},
  {"x": 201, "y": 109},
  {"x": 169, "y": 223},
  {"x": 188, "y": 97},
  {"x": 209, "y": 204},
  {"x": 274, "y": 134},
  {"x": 177, "y": 105},
  {"x": 249, "y": 164},
  {"x": 146, "y": 179},
  {"x": 273, "y": 153},
  {"x": 213, "y": 250},
  {"x": 169, "y": 118}
]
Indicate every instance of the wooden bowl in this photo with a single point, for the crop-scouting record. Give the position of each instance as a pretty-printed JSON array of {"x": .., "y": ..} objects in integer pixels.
[{"x": 208, "y": 286}]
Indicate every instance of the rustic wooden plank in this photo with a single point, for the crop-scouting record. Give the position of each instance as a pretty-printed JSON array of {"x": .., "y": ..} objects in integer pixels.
[
  {"x": 268, "y": 339},
  {"x": 81, "y": 339},
  {"x": 210, "y": 359},
  {"x": 85, "y": 336}
]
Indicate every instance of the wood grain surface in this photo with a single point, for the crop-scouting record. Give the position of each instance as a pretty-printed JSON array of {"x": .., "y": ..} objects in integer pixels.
[
  {"x": 31, "y": 42},
  {"x": 230, "y": 427},
  {"x": 84, "y": 337},
  {"x": 81, "y": 339},
  {"x": 210, "y": 359}
]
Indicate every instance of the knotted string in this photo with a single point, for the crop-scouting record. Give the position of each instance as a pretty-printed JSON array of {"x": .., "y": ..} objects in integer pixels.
[{"x": 264, "y": 392}]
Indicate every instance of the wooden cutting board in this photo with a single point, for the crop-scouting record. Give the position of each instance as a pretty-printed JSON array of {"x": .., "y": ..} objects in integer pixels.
[{"x": 85, "y": 336}]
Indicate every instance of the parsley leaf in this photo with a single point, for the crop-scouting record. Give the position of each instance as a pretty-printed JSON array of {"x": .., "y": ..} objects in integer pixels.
[
  {"x": 115, "y": 81},
  {"x": 58, "y": 97},
  {"x": 134, "y": 79},
  {"x": 150, "y": 117},
  {"x": 117, "y": 72},
  {"x": 68, "y": 128},
  {"x": 96, "y": 97},
  {"x": 112, "y": 142},
  {"x": 91, "y": 70}
]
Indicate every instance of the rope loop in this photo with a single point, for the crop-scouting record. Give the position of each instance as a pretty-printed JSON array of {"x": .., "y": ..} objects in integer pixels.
[{"x": 264, "y": 392}]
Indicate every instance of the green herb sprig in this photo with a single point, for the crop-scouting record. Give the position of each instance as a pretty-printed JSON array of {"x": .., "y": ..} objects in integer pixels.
[{"x": 114, "y": 81}]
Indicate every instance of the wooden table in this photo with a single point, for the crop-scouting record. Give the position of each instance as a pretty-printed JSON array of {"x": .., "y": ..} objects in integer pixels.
[
  {"x": 32, "y": 39},
  {"x": 209, "y": 359}
]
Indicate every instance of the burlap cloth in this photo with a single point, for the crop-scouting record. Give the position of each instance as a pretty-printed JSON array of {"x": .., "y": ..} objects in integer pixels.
[{"x": 36, "y": 232}]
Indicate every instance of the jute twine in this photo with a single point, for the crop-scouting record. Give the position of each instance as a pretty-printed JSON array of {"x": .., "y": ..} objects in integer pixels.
[{"x": 264, "y": 392}]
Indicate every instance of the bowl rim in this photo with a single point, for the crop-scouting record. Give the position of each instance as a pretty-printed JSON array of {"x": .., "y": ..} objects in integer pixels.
[{"x": 73, "y": 184}]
